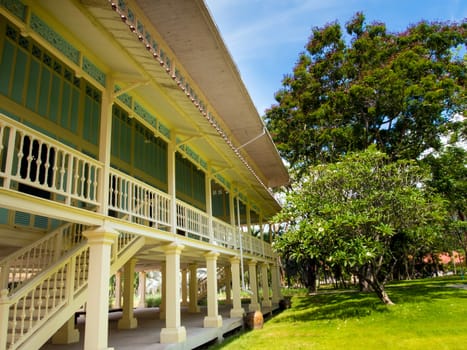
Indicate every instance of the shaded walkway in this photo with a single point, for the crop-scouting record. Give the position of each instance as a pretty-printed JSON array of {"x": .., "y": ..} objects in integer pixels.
[{"x": 147, "y": 334}]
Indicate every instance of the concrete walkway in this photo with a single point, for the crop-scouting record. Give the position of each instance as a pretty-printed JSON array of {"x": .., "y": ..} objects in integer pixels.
[{"x": 146, "y": 335}]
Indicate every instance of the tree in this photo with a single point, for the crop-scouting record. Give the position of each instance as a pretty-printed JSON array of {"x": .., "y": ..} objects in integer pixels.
[
  {"x": 449, "y": 178},
  {"x": 348, "y": 214},
  {"x": 393, "y": 90}
]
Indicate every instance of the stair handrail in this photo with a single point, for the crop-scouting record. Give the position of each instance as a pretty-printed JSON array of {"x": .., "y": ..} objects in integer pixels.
[
  {"x": 57, "y": 242},
  {"x": 74, "y": 284},
  {"x": 49, "y": 279}
]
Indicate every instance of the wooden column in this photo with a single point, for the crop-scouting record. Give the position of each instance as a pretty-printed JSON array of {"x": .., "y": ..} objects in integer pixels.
[
  {"x": 142, "y": 289},
  {"x": 173, "y": 332},
  {"x": 265, "y": 286},
  {"x": 97, "y": 312},
  {"x": 184, "y": 287},
  {"x": 213, "y": 319},
  {"x": 193, "y": 304},
  {"x": 275, "y": 277},
  {"x": 237, "y": 310},
  {"x": 254, "y": 305},
  {"x": 128, "y": 321}
]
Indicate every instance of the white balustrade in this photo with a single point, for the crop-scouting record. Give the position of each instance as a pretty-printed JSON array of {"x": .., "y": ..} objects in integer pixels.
[
  {"x": 138, "y": 202},
  {"x": 25, "y": 263},
  {"x": 35, "y": 163}
]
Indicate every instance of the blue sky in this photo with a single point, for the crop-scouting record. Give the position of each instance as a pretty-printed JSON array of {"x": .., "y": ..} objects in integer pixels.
[{"x": 265, "y": 37}]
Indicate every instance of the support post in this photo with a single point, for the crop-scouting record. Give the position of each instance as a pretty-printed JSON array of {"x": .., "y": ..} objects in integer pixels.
[
  {"x": 128, "y": 321},
  {"x": 193, "y": 304},
  {"x": 4, "y": 318},
  {"x": 276, "y": 285},
  {"x": 162, "y": 309},
  {"x": 184, "y": 287},
  {"x": 100, "y": 242},
  {"x": 173, "y": 331},
  {"x": 142, "y": 289},
  {"x": 265, "y": 286},
  {"x": 254, "y": 305},
  {"x": 213, "y": 319},
  {"x": 228, "y": 285},
  {"x": 237, "y": 310},
  {"x": 118, "y": 289}
]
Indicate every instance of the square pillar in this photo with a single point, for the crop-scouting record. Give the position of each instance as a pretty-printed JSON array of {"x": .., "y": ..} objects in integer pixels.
[
  {"x": 142, "y": 289},
  {"x": 193, "y": 304},
  {"x": 276, "y": 288},
  {"x": 118, "y": 289},
  {"x": 237, "y": 310},
  {"x": 213, "y": 319},
  {"x": 265, "y": 286},
  {"x": 100, "y": 242},
  {"x": 228, "y": 285},
  {"x": 184, "y": 287},
  {"x": 173, "y": 331},
  {"x": 254, "y": 305},
  {"x": 128, "y": 321},
  {"x": 163, "y": 291}
]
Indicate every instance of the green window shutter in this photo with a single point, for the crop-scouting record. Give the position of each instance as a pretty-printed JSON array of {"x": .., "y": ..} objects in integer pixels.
[{"x": 5, "y": 66}]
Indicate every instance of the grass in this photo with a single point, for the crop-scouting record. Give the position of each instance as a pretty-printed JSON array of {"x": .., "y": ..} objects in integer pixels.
[{"x": 429, "y": 314}]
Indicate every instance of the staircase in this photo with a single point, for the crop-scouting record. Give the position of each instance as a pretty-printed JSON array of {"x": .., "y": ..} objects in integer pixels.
[{"x": 45, "y": 283}]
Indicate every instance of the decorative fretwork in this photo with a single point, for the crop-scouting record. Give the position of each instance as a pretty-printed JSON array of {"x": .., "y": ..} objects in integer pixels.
[
  {"x": 93, "y": 71},
  {"x": 16, "y": 7},
  {"x": 57, "y": 41},
  {"x": 142, "y": 112}
]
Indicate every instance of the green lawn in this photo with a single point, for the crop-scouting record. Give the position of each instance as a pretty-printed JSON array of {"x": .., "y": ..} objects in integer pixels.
[{"x": 429, "y": 314}]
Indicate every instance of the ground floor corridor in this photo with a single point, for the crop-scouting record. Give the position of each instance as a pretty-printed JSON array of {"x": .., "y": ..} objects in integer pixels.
[{"x": 147, "y": 335}]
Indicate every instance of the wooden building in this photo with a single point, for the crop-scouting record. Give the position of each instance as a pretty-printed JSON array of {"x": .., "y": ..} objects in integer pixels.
[{"x": 127, "y": 140}]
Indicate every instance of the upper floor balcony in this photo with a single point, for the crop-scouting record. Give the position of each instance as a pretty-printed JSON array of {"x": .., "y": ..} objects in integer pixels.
[{"x": 80, "y": 188}]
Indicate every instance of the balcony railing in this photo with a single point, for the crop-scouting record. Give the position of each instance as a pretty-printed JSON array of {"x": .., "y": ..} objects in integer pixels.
[{"x": 34, "y": 163}]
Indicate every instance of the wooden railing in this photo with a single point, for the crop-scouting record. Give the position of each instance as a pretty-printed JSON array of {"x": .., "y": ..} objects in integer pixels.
[
  {"x": 21, "y": 266},
  {"x": 46, "y": 167},
  {"x": 41, "y": 297},
  {"x": 37, "y": 164}
]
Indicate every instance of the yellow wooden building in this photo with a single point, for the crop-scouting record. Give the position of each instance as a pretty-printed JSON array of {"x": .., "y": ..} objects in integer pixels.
[{"x": 127, "y": 140}]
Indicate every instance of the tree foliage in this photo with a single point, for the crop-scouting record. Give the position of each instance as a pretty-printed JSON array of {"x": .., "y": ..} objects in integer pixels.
[
  {"x": 348, "y": 214},
  {"x": 395, "y": 90}
]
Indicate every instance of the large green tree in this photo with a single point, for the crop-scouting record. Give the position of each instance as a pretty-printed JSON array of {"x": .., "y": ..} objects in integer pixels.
[
  {"x": 395, "y": 90},
  {"x": 349, "y": 213}
]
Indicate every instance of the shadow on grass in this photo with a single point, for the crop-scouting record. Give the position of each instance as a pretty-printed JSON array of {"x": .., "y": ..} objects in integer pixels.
[{"x": 354, "y": 304}]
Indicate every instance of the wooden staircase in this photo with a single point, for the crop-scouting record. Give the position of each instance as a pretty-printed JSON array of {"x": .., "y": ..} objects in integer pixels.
[{"x": 45, "y": 283}]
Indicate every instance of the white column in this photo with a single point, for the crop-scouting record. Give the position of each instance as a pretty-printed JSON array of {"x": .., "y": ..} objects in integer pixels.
[
  {"x": 237, "y": 310},
  {"x": 67, "y": 334},
  {"x": 97, "y": 311},
  {"x": 213, "y": 319},
  {"x": 171, "y": 183},
  {"x": 254, "y": 305},
  {"x": 118, "y": 290},
  {"x": 193, "y": 304},
  {"x": 184, "y": 287},
  {"x": 163, "y": 291},
  {"x": 142, "y": 289},
  {"x": 105, "y": 139},
  {"x": 209, "y": 205},
  {"x": 276, "y": 285},
  {"x": 128, "y": 321},
  {"x": 265, "y": 286},
  {"x": 173, "y": 331},
  {"x": 228, "y": 285}
]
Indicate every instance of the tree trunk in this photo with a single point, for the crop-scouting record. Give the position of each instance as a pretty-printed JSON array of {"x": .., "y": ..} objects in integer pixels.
[
  {"x": 312, "y": 270},
  {"x": 378, "y": 288}
]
